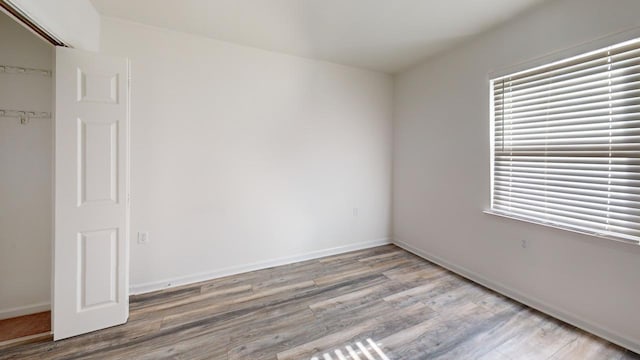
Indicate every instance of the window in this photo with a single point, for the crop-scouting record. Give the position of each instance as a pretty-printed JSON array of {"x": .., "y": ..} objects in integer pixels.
[{"x": 566, "y": 143}]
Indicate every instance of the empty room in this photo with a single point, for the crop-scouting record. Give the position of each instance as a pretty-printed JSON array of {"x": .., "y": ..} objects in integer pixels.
[{"x": 320, "y": 179}]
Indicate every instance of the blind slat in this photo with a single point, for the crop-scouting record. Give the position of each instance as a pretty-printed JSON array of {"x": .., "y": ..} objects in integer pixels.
[
  {"x": 594, "y": 196},
  {"x": 600, "y": 85},
  {"x": 572, "y": 127},
  {"x": 595, "y": 59},
  {"x": 597, "y": 178},
  {"x": 625, "y": 188},
  {"x": 579, "y": 209},
  {"x": 578, "y": 114},
  {"x": 596, "y": 223},
  {"x": 571, "y": 109},
  {"x": 567, "y": 80}
]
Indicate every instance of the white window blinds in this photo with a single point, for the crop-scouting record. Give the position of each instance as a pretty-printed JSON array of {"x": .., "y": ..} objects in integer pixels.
[{"x": 566, "y": 143}]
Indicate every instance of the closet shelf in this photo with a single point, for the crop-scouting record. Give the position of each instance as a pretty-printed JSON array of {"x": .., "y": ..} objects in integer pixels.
[
  {"x": 8, "y": 69},
  {"x": 24, "y": 116}
]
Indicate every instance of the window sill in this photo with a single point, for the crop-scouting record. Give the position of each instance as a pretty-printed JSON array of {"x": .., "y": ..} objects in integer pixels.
[{"x": 617, "y": 238}]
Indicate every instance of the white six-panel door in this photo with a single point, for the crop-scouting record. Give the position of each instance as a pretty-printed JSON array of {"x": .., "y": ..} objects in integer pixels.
[{"x": 91, "y": 244}]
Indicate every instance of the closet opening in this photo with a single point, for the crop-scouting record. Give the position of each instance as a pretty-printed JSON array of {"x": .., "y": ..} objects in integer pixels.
[{"x": 26, "y": 182}]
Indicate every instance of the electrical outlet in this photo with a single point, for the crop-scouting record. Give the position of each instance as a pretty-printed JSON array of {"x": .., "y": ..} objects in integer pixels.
[
  {"x": 355, "y": 212},
  {"x": 143, "y": 238},
  {"x": 523, "y": 244}
]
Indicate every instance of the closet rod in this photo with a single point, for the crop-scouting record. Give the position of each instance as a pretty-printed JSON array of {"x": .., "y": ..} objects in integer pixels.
[
  {"x": 24, "y": 116},
  {"x": 23, "y": 70}
]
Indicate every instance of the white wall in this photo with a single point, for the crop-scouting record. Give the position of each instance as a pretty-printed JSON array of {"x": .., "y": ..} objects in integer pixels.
[
  {"x": 244, "y": 158},
  {"x": 25, "y": 175},
  {"x": 441, "y": 177},
  {"x": 75, "y": 22}
]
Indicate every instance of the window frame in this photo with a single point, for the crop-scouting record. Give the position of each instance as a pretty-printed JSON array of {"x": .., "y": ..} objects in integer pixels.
[{"x": 565, "y": 55}]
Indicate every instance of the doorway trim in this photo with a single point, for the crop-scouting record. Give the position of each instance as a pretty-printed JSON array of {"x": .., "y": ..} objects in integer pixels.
[{"x": 25, "y": 20}]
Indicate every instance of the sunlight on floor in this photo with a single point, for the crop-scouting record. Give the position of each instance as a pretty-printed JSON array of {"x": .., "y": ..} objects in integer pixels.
[{"x": 359, "y": 351}]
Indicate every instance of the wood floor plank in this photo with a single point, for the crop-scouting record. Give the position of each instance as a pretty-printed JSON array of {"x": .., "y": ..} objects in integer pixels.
[
  {"x": 217, "y": 296},
  {"x": 416, "y": 275},
  {"x": 382, "y": 303},
  {"x": 543, "y": 342},
  {"x": 443, "y": 337},
  {"x": 374, "y": 326},
  {"x": 27, "y": 325},
  {"x": 348, "y": 301},
  {"x": 359, "y": 254},
  {"x": 587, "y": 346},
  {"x": 163, "y": 296}
]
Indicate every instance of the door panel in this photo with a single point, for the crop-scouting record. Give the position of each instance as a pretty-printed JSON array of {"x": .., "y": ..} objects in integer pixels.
[
  {"x": 98, "y": 268},
  {"x": 91, "y": 242},
  {"x": 98, "y": 163}
]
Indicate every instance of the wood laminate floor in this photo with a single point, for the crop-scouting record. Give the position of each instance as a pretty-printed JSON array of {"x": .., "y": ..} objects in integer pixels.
[
  {"x": 381, "y": 303},
  {"x": 27, "y": 325}
]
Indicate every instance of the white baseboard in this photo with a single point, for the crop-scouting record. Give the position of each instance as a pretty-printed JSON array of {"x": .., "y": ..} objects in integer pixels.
[
  {"x": 525, "y": 299},
  {"x": 190, "y": 279},
  {"x": 24, "y": 310}
]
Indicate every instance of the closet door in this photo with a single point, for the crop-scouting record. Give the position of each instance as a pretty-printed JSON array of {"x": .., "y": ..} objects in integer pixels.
[{"x": 91, "y": 244}]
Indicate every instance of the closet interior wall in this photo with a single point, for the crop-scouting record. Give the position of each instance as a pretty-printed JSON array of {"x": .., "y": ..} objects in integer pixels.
[{"x": 25, "y": 170}]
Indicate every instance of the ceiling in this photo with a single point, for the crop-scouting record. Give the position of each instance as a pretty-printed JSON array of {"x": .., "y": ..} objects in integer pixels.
[{"x": 383, "y": 35}]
